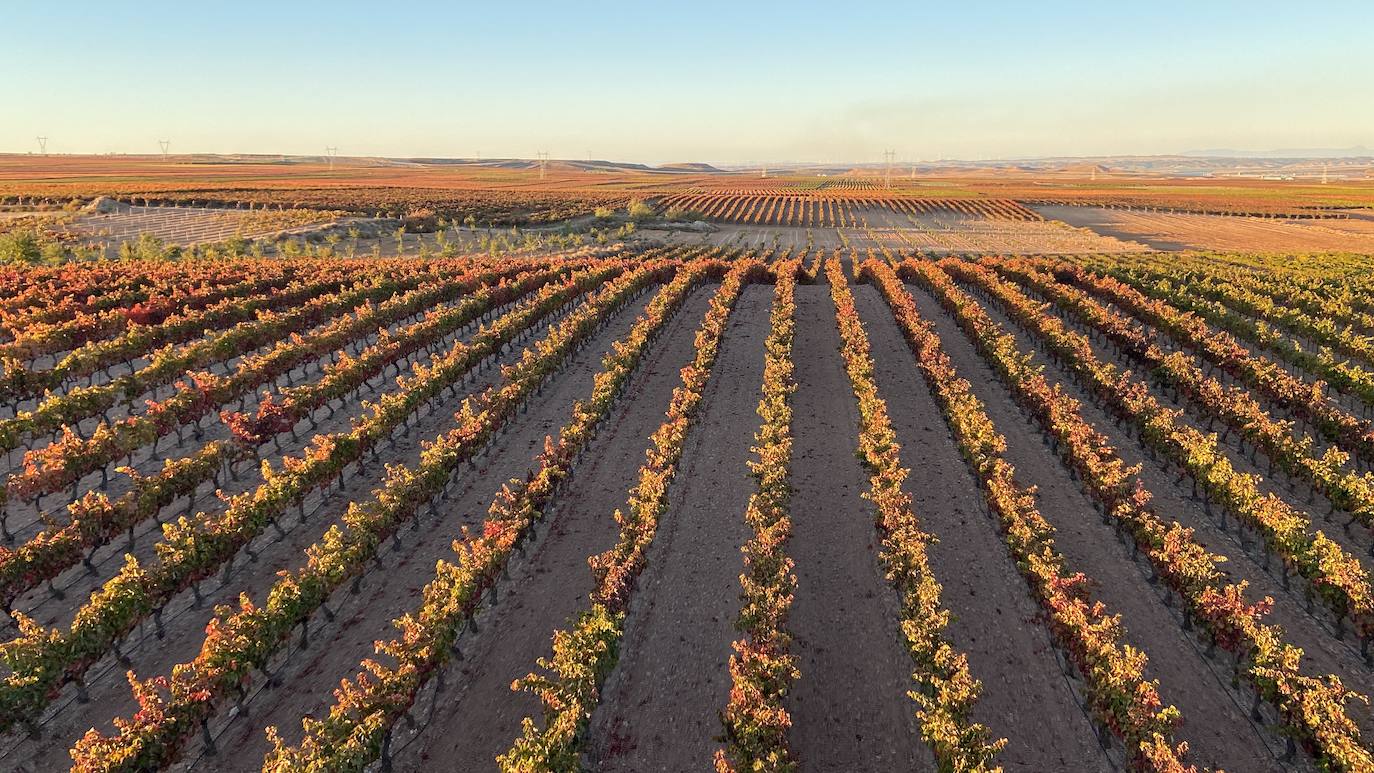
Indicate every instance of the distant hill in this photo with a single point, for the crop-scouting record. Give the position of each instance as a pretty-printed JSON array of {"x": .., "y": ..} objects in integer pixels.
[
  {"x": 558, "y": 164},
  {"x": 1086, "y": 169},
  {"x": 690, "y": 166}
]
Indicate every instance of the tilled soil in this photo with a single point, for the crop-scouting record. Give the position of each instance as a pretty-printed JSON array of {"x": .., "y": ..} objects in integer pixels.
[
  {"x": 184, "y": 621},
  {"x": 1026, "y": 699},
  {"x": 478, "y": 717},
  {"x": 849, "y": 707},
  {"x": 660, "y": 710}
]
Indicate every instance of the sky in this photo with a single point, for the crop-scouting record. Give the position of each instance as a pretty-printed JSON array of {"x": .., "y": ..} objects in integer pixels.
[{"x": 721, "y": 82}]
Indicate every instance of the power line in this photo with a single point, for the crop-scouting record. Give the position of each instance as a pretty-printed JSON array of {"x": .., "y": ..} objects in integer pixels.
[
  {"x": 42, "y": 145},
  {"x": 543, "y": 163},
  {"x": 331, "y": 151},
  {"x": 166, "y": 145},
  {"x": 888, "y": 156}
]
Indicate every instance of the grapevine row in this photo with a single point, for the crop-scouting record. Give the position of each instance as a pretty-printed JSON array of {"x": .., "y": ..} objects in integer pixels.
[
  {"x": 946, "y": 690},
  {"x": 238, "y": 641},
  {"x": 585, "y": 653},
  {"x": 761, "y": 668},
  {"x": 193, "y": 549},
  {"x": 1312, "y": 709},
  {"x": 357, "y": 729}
]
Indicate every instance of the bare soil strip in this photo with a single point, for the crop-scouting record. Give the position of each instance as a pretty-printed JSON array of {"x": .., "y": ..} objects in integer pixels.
[
  {"x": 849, "y": 708},
  {"x": 660, "y": 708}
]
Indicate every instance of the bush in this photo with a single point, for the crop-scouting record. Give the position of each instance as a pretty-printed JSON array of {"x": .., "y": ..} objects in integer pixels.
[
  {"x": 603, "y": 213},
  {"x": 21, "y": 247},
  {"x": 638, "y": 210},
  {"x": 148, "y": 247}
]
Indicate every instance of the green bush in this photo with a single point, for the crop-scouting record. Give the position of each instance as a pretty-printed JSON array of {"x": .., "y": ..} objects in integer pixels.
[
  {"x": 21, "y": 247},
  {"x": 638, "y": 210}
]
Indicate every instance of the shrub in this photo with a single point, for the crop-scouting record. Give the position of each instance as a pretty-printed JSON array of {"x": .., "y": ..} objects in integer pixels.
[
  {"x": 21, "y": 247},
  {"x": 638, "y": 210}
]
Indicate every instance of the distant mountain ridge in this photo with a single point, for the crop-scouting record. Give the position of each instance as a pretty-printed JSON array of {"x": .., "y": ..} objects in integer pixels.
[{"x": 1359, "y": 151}]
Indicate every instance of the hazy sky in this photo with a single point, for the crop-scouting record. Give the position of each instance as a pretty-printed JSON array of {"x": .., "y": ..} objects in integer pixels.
[{"x": 701, "y": 81}]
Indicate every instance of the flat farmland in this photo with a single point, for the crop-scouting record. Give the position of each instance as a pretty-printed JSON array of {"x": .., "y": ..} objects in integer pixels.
[{"x": 1183, "y": 231}]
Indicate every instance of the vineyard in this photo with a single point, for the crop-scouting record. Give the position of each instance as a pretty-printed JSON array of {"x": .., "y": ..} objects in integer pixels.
[
  {"x": 825, "y": 209},
  {"x": 629, "y": 507},
  {"x": 194, "y": 225}
]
